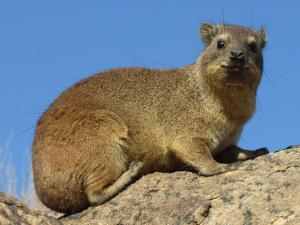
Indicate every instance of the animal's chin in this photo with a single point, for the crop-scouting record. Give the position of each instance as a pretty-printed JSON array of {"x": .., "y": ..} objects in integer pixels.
[
  {"x": 235, "y": 84},
  {"x": 235, "y": 81},
  {"x": 235, "y": 76}
]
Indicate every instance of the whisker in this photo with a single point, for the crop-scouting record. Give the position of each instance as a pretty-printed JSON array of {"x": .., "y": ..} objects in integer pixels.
[{"x": 26, "y": 130}]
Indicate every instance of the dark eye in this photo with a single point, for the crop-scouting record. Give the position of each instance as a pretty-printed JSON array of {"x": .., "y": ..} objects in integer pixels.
[
  {"x": 252, "y": 47},
  {"x": 220, "y": 44}
]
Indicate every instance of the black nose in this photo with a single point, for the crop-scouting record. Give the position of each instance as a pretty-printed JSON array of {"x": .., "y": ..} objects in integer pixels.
[{"x": 237, "y": 55}]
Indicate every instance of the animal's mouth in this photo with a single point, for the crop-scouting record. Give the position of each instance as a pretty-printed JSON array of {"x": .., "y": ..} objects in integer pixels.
[
  {"x": 235, "y": 68},
  {"x": 237, "y": 74}
]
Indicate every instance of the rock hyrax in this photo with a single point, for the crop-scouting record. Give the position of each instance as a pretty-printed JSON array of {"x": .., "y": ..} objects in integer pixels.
[{"x": 110, "y": 128}]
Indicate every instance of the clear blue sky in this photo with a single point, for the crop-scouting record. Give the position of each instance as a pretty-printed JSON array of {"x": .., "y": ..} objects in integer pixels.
[{"x": 46, "y": 46}]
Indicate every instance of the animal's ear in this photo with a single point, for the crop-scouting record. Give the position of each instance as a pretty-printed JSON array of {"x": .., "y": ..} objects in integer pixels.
[
  {"x": 208, "y": 31},
  {"x": 262, "y": 36}
]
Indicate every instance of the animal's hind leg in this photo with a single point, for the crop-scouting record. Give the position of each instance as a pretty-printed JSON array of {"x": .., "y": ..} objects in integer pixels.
[
  {"x": 100, "y": 195},
  {"x": 107, "y": 169}
]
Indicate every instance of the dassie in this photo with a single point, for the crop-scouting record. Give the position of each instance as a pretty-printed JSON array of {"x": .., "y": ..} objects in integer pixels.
[{"x": 110, "y": 128}]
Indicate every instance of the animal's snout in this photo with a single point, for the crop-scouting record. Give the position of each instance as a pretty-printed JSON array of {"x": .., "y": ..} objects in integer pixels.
[{"x": 237, "y": 56}]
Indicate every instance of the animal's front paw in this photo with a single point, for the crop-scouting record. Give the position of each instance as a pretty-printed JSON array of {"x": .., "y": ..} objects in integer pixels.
[
  {"x": 261, "y": 151},
  {"x": 218, "y": 170}
]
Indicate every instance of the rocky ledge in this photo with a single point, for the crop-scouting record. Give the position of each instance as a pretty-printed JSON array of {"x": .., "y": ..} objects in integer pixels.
[{"x": 262, "y": 191}]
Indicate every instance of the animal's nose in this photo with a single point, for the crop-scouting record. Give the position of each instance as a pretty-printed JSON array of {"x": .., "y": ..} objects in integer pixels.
[{"x": 237, "y": 55}]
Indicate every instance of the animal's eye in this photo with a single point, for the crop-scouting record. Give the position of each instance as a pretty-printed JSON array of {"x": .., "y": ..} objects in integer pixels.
[
  {"x": 252, "y": 46},
  {"x": 220, "y": 44}
]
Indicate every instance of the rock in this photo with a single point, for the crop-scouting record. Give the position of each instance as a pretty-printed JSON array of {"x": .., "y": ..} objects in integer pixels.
[
  {"x": 262, "y": 191},
  {"x": 13, "y": 212}
]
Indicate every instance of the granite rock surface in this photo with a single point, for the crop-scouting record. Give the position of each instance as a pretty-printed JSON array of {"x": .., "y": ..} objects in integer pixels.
[{"x": 262, "y": 191}]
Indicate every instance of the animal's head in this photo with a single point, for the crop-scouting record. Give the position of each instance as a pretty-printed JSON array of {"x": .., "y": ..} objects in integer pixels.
[{"x": 233, "y": 55}]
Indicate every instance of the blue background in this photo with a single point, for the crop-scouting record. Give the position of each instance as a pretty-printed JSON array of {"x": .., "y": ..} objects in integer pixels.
[{"x": 46, "y": 46}]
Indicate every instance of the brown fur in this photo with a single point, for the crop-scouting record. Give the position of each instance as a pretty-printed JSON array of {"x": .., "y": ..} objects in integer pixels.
[{"x": 106, "y": 130}]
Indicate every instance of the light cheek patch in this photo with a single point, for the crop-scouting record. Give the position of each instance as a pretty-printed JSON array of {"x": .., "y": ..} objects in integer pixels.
[{"x": 213, "y": 68}]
